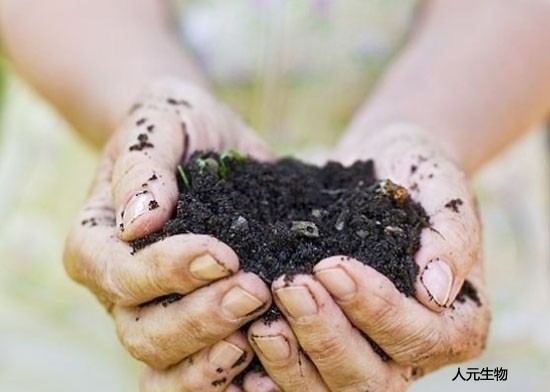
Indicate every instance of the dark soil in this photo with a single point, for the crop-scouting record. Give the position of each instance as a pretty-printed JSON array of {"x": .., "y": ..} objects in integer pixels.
[{"x": 283, "y": 218}]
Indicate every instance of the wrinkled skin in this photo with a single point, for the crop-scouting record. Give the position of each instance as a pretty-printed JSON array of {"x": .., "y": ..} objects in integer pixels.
[{"x": 194, "y": 344}]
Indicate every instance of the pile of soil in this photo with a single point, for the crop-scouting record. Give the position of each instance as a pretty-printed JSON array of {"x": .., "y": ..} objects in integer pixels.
[{"x": 282, "y": 218}]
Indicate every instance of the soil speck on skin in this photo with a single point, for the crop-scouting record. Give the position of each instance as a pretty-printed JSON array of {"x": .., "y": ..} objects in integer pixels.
[
  {"x": 89, "y": 222},
  {"x": 220, "y": 382},
  {"x": 153, "y": 204},
  {"x": 152, "y": 178},
  {"x": 164, "y": 300},
  {"x": 150, "y": 128},
  {"x": 141, "y": 121},
  {"x": 172, "y": 101},
  {"x": 240, "y": 361},
  {"x": 135, "y": 107},
  {"x": 468, "y": 291},
  {"x": 454, "y": 205},
  {"x": 143, "y": 143}
]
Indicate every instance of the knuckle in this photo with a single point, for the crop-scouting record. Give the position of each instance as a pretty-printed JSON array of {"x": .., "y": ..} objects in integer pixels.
[
  {"x": 419, "y": 347},
  {"x": 108, "y": 280},
  {"x": 141, "y": 346},
  {"x": 129, "y": 285},
  {"x": 327, "y": 348},
  {"x": 203, "y": 329},
  {"x": 383, "y": 311},
  {"x": 159, "y": 269}
]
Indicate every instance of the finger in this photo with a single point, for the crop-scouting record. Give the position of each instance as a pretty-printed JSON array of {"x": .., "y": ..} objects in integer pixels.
[
  {"x": 408, "y": 332},
  {"x": 148, "y": 149},
  {"x": 288, "y": 368},
  {"x": 341, "y": 354},
  {"x": 161, "y": 335},
  {"x": 450, "y": 246},
  {"x": 96, "y": 257},
  {"x": 253, "y": 146},
  {"x": 211, "y": 369}
]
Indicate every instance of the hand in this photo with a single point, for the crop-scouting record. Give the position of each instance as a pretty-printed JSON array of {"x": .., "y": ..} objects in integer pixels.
[
  {"x": 322, "y": 345},
  {"x": 134, "y": 193},
  {"x": 210, "y": 369},
  {"x": 413, "y": 158},
  {"x": 329, "y": 317}
]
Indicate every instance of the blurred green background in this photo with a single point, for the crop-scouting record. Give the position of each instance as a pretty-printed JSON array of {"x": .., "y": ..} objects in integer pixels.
[{"x": 55, "y": 337}]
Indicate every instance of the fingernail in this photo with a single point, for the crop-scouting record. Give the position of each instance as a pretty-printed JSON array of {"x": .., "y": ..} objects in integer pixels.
[
  {"x": 206, "y": 267},
  {"x": 297, "y": 301},
  {"x": 239, "y": 303},
  {"x": 274, "y": 348},
  {"x": 224, "y": 355},
  {"x": 438, "y": 279},
  {"x": 137, "y": 206},
  {"x": 338, "y": 282}
]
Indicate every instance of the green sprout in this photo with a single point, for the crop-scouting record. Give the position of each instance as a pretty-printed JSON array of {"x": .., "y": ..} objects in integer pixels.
[
  {"x": 184, "y": 177},
  {"x": 201, "y": 164},
  {"x": 223, "y": 169},
  {"x": 233, "y": 154}
]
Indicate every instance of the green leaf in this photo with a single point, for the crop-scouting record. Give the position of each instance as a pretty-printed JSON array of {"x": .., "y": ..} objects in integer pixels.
[{"x": 184, "y": 177}]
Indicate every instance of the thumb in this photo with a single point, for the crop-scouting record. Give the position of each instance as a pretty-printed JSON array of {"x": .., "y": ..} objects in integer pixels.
[
  {"x": 146, "y": 153},
  {"x": 452, "y": 244},
  {"x": 409, "y": 156},
  {"x": 174, "y": 120}
]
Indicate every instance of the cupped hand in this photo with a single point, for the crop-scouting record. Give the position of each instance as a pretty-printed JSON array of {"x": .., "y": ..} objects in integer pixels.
[
  {"x": 133, "y": 194},
  {"x": 326, "y": 341},
  {"x": 414, "y": 159},
  {"x": 333, "y": 319}
]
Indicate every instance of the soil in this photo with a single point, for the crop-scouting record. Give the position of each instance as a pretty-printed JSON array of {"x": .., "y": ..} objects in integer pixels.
[{"x": 282, "y": 218}]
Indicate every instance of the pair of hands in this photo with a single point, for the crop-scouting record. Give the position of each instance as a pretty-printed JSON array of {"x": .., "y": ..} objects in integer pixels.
[{"x": 195, "y": 343}]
